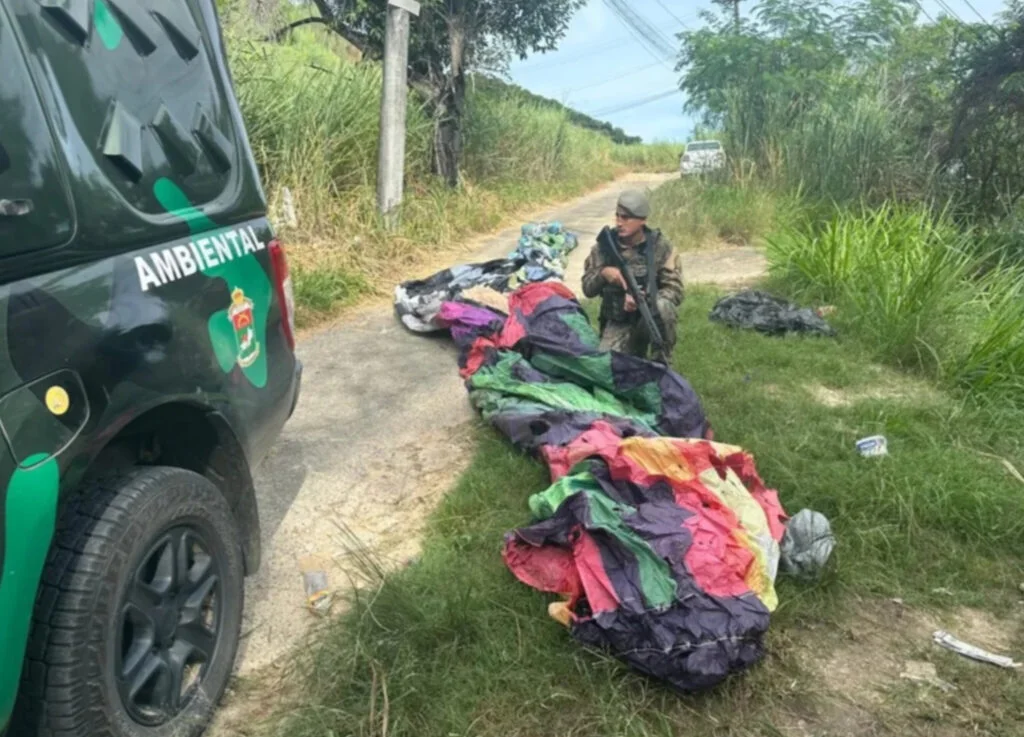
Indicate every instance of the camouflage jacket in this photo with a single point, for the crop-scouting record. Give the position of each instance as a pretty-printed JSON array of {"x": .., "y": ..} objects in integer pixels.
[{"x": 668, "y": 276}]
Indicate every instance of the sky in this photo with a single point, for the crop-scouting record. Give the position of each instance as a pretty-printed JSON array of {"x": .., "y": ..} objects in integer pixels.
[{"x": 599, "y": 65}]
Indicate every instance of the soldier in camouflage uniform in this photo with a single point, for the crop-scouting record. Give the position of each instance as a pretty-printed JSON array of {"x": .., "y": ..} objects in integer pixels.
[{"x": 645, "y": 250}]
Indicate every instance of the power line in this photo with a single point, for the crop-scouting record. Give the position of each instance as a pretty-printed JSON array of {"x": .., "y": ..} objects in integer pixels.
[
  {"x": 926, "y": 13},
  {"x": 669, "y": 11},
  {"x": 635, "y": 103},
  {"x": 945, "y": 6},
  {"x": 649, "y": 36},
  {"x": 615, "y": 79},
  {"x": 593, "y": 52},
  {"x": 653, "y": 54},
  {"x": 983, "y": 18},
  {"x": 541, "y": 63}
]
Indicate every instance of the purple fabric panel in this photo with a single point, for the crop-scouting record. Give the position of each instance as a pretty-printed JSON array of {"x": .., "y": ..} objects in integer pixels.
[
  {"x": 468, "y": 322},
  {"x": 694, "y": 645},
  {"x": 530, "y": 431},
  {"x": 682, "y": 415}
]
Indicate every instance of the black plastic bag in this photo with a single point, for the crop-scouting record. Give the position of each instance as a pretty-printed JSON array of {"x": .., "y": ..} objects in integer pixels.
[{"x": 770, "y": 315}]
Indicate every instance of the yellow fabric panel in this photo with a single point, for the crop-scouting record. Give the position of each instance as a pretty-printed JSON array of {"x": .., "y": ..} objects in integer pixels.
[
  {"x": 658, "y": 457},
  {"x": 754, "y": 533}
]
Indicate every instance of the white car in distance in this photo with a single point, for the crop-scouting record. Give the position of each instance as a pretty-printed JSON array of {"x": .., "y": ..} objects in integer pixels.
[{"x": 702, "y": 157}]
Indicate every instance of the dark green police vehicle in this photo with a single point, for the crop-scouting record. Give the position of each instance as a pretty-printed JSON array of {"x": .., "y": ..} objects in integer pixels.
[{"x": 146, "y": 364}]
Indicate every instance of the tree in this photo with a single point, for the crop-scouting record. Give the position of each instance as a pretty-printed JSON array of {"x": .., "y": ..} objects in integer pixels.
[
  {"x": 987, "y": 137},
  {"x": 731, "y": 4},
  {"x": 450, "y": 38},
  {"x": 790, "y": 56}
]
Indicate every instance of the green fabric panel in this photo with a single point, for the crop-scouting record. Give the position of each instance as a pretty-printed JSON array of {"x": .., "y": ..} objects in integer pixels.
[
  {"x": 588, "y": 371},
  {"x": 582, "y": 327},
  {"x": 596, "y": 371},
  {"x": 552, "y": 395},
  {"x": 605, "y": 514},
  {"x": 647, "y": 397},
  {"x": 490, "y": 402},
  {"x": 545, "y": 503}
]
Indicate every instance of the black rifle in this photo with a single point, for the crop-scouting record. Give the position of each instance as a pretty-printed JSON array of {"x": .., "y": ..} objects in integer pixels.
[{"x": 657, "y": 340}]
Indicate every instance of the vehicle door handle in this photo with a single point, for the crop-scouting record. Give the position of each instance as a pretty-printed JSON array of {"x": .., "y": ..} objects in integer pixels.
[{"x": 15, "y": 208}]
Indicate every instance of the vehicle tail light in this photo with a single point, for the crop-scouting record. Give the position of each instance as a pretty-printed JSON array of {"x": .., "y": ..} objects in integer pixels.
[
  {"x": 285, "y": 290},
  {"x": 686, "y": 159}
]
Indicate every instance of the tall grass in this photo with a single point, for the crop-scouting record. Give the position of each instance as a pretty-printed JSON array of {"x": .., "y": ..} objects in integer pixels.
[
  {"x": 853, "y": 150},
  {"x": 313, "y": 120},
  {"x": 844, "y": 148},
  {"x": 694, "y": 213},
  {"x": 913, "y": 287},
  {"x": 992, "y": 358}
]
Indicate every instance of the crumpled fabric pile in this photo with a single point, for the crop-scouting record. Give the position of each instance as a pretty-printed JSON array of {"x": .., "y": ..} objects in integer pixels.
[
  {"x": 540, "y": 255},
  {"x": 662, "y": 544}
]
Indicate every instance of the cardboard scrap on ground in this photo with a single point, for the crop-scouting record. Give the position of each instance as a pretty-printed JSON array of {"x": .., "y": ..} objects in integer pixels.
[{"x": 488, "y": 298}]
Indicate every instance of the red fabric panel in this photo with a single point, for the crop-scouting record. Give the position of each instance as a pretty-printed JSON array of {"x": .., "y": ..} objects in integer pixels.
[
  {"x": 477, "y": 356},
  {"x": 571, "y": 573},
  {"x": 513, "y": 332},
  {"x": 718, "y": 563},
  {"x": 547, "y": 568},
  {"x": 528, "y": 297},
  {"x": 601, "y": 439},
  {"x": 699, "y": 456},
  {"x": 596, "y": 584}
]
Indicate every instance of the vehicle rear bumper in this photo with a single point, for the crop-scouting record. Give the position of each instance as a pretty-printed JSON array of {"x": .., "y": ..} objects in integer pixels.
[{"x": 687, "y": 169}]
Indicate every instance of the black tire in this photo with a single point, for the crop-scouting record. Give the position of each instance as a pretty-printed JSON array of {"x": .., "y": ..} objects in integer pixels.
[{"x": 110, "y": 538}]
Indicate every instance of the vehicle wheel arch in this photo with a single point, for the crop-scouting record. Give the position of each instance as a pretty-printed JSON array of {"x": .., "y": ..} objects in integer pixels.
[{"x": 186, "y": 435}]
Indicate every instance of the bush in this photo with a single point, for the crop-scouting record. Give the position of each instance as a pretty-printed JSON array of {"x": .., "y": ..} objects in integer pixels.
[{"x": 913, "y": 287}]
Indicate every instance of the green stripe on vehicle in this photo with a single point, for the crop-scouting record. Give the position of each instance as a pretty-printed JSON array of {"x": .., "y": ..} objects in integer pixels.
[
  {"x": 245, "y": 274},
  {"x": 109, "y": 30},
  {"x": 31, "y": 517}
]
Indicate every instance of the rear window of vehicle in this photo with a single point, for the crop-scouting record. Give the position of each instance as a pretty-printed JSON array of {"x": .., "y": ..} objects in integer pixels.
[
  {"x": 703, "y": 146},
  {"x": 35, "y": 212}
]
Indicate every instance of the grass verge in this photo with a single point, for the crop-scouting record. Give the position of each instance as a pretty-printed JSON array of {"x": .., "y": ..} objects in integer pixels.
[
  {"x": 454, "y": 646},
  {"x": 694, "y": 213}
]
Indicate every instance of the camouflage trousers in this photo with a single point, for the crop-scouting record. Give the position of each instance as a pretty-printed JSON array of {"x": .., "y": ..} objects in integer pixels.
[{"x": 632, "y": 337}]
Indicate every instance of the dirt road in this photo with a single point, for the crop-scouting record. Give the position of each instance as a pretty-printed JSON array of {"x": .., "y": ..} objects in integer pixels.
[{"x": 382, "y": 429}]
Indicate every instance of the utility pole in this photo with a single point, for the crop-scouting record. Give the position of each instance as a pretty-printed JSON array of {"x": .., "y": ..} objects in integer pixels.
[
  {"x": 391, "y": 160},
  {"x": 735, "y": 5}
]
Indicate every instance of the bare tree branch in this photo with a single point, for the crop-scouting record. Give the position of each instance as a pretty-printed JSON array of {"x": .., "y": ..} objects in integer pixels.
[{"x": 282, "y": 32}]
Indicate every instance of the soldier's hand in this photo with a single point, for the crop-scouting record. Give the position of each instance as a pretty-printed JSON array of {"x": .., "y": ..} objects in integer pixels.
[
  {"x": 630, "y": 303},
  {"x": 612, "y": 275}
]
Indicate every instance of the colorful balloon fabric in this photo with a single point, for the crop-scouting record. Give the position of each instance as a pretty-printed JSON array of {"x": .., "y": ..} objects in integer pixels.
[
  {"x": 541, "y": 254},
  {"x": 663, "y": 544}
]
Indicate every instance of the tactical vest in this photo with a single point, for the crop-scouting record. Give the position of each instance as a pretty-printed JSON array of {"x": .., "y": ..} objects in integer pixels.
[{"x": 645, "y": 265}]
